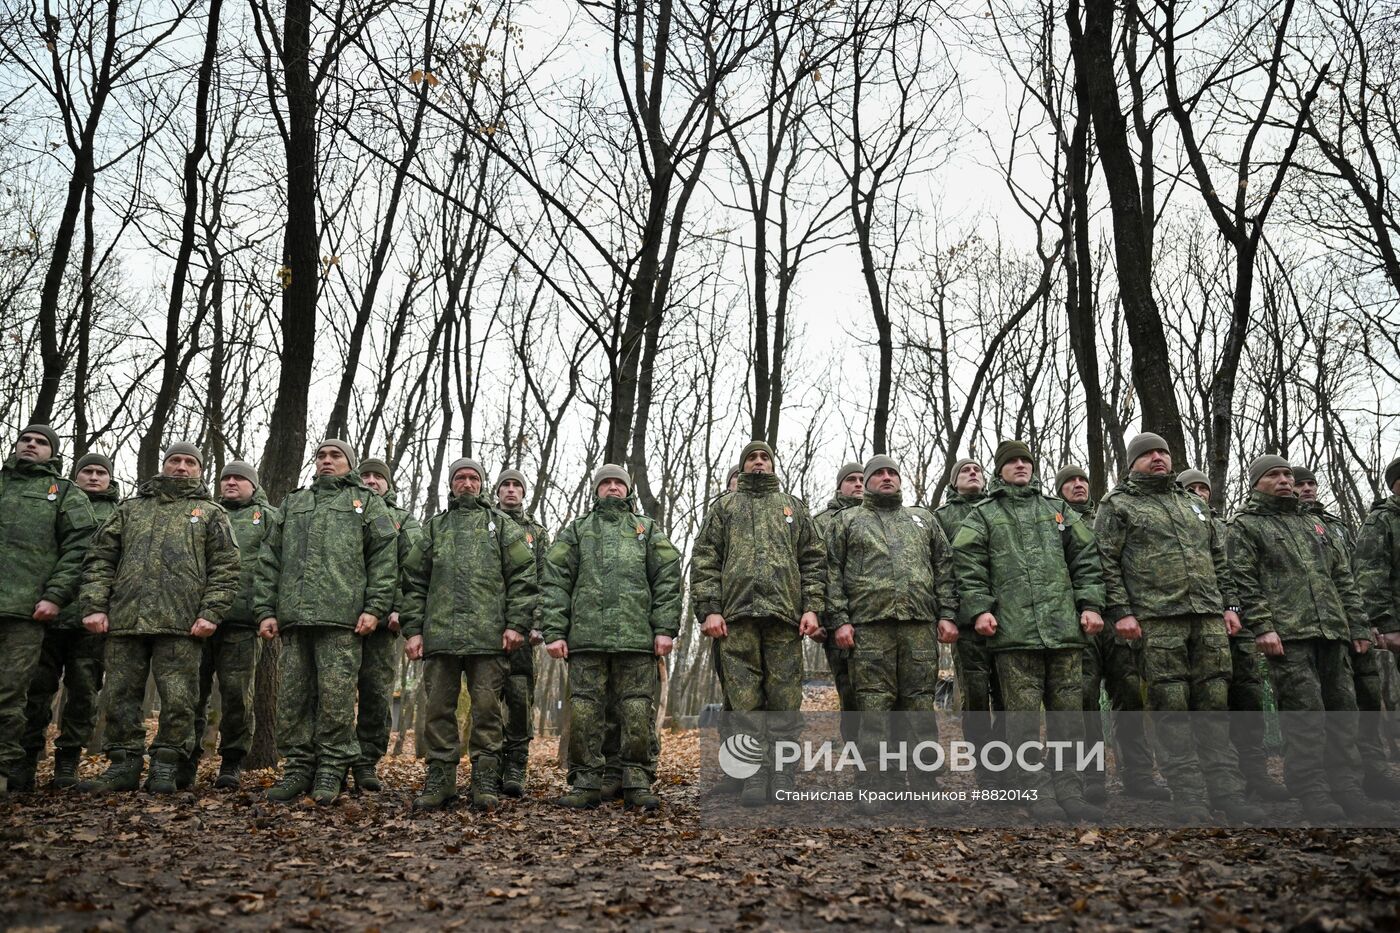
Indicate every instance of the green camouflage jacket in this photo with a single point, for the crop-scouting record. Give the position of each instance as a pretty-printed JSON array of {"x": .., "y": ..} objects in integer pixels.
[
  {"x": 469, "y": 578},
  {"x": 164, "y": 559},
  {"x": 409, "y": 530},
  {"x": 758, "y": 556},
  {"x": 535, "y": 535},
  {"x": 103, "y": 505},
  {"x": 887, "y": 562},
  {"x": 1162, "y": 554},
  {"x": 954, "y": 510},
  {"x": 332, "y": 557},
  {"x": 612, "y": 582},
  {"x": 1335, "y": 526},
  {"x": 45, "y": 524},
  {"x": 1378, "y": 565},
  {"x": 251, "y": 522},
  {"x": 823, "y": 518},
  {"x": 1087, "y": 511},
  {"x": 1032, "y": 563},
  {"x": 1292, "y": 574}
]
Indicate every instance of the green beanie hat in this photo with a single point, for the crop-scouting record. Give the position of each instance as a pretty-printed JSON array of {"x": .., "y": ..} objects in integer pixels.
[
  {"x": 1068, "y": 472},
  {"x": 375, "y": 465},
  {"x": 1008, "y": 451},
  {"x": 957, "y": 468},
  {"x": 1188, "y": 478},
  {"x": 1304, "y": 475},
  {"x": 465, "y": 463},
  {"x": 750, "y": 448},
  {"x": 735, "y": 471},
  {"x": 881, "y": 462},
  {"x": 611, "y": 471},
  {"x": 45, "y": 430},
  {"x": 183, "y": 447},
  {"x": 1263, "y": 464},
  {"x": 846, "y": 470},
  {"x": 343, "y": 447},
  {"x": 512, "y": 474},
  {"x": 239, "y": 468},
  {"x": 93, "y": 459},
  {"x": 1144, "y": 443},
  {"x": 1392, "y": 475}
]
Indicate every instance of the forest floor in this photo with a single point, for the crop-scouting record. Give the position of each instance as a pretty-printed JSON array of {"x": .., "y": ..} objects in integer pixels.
[{"x": 221, "y": 860}]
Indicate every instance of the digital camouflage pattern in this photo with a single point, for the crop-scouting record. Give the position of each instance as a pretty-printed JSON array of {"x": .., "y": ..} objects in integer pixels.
[
  {"x": 45, "y": 524},
  {"x": 758, "y": 556},
  {"x": 887, "y": 562},
  {"x": 520, "y": 684},
  {"x": 442, "y": 685},
  {"x": 1031, "y": 563},
  {"x": 762, "y": 661},
  {"x": 837, "y": 659},
  {"x": 172, "y": 661},
  {"x": 1031, "y": 679},
  {"x": 607, "y": 688},
  {"x": 1378, "y": 565},
  {"x": 612, "y": 582},
  {"x": 316, "y": 675},
  {"x": 1335, "y": 526},
  {"x": 1320, "y": 756},
  {"x": 251, "y": 522}
]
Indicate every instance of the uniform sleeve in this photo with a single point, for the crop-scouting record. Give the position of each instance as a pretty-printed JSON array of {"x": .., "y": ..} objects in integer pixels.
[
  {"x": 838, "y": 608},
  {"x": 104, "y": 550},
  {"x": 664, "y": 575},
  {"x": 1224, "y": 572},
  {"x": 223, "y": 571},
  {"x": 811, "y": 563},
  {"x": 410, "y": 530},
  {"x": 541, "y": 546},
  {"x": 414, "y": 577},
  {"x": 1243, "y": 552},
  {"x": 267, "y": 576},
  {"x": 707, "y": 565},
  {"x": 1376, "y": 574},
  {"x": 1082, "y": 559},
  {"x": 76, "y": 526},
  {"x": 972, "y": 564},
  {"x": 521, "y": 578},
  {"x": 1357, "y": 621},
  {"x": 381, "y": 549},
  {"x": 1111, "y": 531},
  {"x": 557, "y": 585},
  {"x": 943, "y": 576}
]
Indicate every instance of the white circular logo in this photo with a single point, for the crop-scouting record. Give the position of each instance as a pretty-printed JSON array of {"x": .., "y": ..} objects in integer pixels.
[{"x": 740, "y": 756}]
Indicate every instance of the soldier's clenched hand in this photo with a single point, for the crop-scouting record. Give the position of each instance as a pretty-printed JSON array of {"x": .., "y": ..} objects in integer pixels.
[
  {"x": 203, "y": 628},
  {"x": 662, "y": 645},
  {"x": 536, "y": 637},
  {"x": 1232, "y": 622},
  {"x": 268, "y": 628},
  {"x": 986, "y": 624},
  {"x": 1091, "y": 622},
  {"x": 1270, "y": 644},
  {"x": 45, "y": 611},
  {"x": 394, "y": 622},
  {"x": 947, "y": 632},
  {"x": 808, "y": 624},
  {"x": 846, "y": 637},
  {"x": 413, "y": 648},
  {"x": 558, "y": 649},
  {"x": 511, "y": 639},
  {"x": 95, "y": 623},
  {"x": 714, "y": 626},
  {"x": 1128, "y": 628},
  {"x": 1361, "y": 645}
]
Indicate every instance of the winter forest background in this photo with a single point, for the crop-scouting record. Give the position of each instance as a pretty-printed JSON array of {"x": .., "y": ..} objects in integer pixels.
[{"x": 551, "y": 234}]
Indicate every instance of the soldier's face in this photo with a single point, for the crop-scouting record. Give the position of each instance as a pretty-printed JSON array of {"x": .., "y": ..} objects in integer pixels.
[
  {"x": 331, "y": 461},
  {"x": 1076, "y": 490},
  {"x": 733, "y": 482},
  {"x": 970, "y": 479},
  {"x": 1153, "y": 463},
  {"x": 33, "y": 448},
  {"x": 853, "y": 486},
  {"x": 1017, "y": 471},
  {"x": 235, "y": 489},
  {"x": 758, "y": 461},
  {"x": 466, "y": 482},
  {"x": 181, "y": 466},
  {"x": 94, "y": 478},
  {"x": 612, "y": 489},
  {"x": 1200, "y": 489},
  {"x": 376, "y": 482},
  {"x": 885, "y": 480},
  {"x": 511, "y": 493},
  {"x": 1306, "y": 490},
  {"x": 1276, "y": 482}
]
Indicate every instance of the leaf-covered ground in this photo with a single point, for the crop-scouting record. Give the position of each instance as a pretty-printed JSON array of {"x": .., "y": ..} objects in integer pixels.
[{"x": 213, "y": 859}]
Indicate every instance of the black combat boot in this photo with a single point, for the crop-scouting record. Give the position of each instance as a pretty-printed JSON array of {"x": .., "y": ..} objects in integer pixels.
[
  {"x": 440, "y": 788},
  {"x": 1380, "y": 785},
  {"x": 65, "y": 768},
  {"x": 640, "y": 798},
  {"x": 365, "y": 777},
  {"x": 513, "y": 777},
  {"x": 21, "y": 779},
  {"x": 230, "y": 772},
  {"x": 186, "y": 770},
  {"x": 1144, "y": 785},
  {"x": 123, "y": 773},
  {"x": 165, "y": 771}
]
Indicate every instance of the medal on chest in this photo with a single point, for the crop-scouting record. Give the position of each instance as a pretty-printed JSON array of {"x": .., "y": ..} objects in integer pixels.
[
  {"x": 529, "y": 540},
  {"x": 194, "y": 516},
  {"x": 1321, "y": 529},
  {"x": 917, "y": 520},
  {"x": 359, "y": 507},
  {"x": 787, "y": 514},
  {"x": 642, "y": 531},
  {"x": 1060, "y": 521},
  {"x": 53, "y": 492},
  {"x": 1200, "y": 516},
  {"x": 257, "y": 517}
]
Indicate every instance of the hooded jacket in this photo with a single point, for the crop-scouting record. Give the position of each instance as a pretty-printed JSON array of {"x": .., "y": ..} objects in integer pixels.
[{"x": 46, "y": 522}]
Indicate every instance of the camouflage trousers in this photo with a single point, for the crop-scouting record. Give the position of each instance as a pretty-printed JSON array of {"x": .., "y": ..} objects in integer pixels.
[
  {"x": 173, "y": 662},
  {"x": 71, "y": 658},
  {"x": 1112, "y": 664},
  {"x": 1319, "y": 749},
  {"x": 608, "y": 688},
  {"x": 316, "y": 674},
  {"x": 520, "y": 705},
  {"x": 1053, "y": 679},
  {"x": 442, "y": 683},
  {"x": 612, "y": 745},
  {"x": 1366, "y": 677},
  {"x": 1186, "y": 667},
  {"x": 762, "y": 660},
  {"x": 894, "y": 668},
  {"x": 379, "y": 665},
  {"x": 232, "y": 654},
  {"x": 981, "y": 692},
  {"x": 21, "y": 644},
  {"x": 838, "y": 660},
  {"x": 1248, "y": 693}
]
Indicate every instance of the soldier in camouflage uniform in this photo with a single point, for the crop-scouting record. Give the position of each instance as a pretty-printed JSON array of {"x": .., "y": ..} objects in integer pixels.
[
  {"x": 71, "y": 658},
  {"x": 850, "y": 487},
  {"x": 160, "y": 578},
  {"x": 45, "y": 524},
  {"x": 470, "y": 599},
  {"x": 1299, "y": 600},
  {"x": 726, "y": 785},
  {"x": 757, "y": 581},
  {"x": 1166, "y": 581},
  {"x": 1365, "y": 666},
  {"x": 1112, "y": 663},
  {"x": 972, "y": 658},
  {"x": 327, "y": 575},
  {"x": 520, "y": 685},
  {"x": 889, "y": 602},
  {"x": 233, "y": 651},
  {"x": 1029, "y": 579},
  {"x": 379, "y": 657},
  {"x": 1249, "y": 691},
  {"x": 611, "y": 598},
  {"x": 1378, "y": 563}
]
